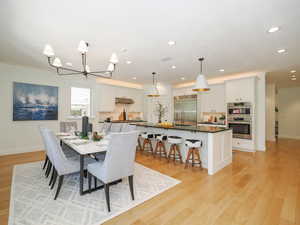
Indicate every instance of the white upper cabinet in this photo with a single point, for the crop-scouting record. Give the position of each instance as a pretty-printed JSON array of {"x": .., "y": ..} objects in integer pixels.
[
  {"x": 213, "y": 100},
  {"x": 240, "y": 90}
]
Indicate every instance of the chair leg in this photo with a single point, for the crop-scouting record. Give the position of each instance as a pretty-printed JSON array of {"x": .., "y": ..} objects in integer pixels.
[
  {"x": 48, "y": 169},
  {"x": 89, "y": 181},
  {"x": 52, "y": 175},
  {"x": 46, "y": 162},
  {"x": 130, "y": 178},
  {"x": 106, "y": 188},
  {"x": 60, "y": 182},
  {"x": 54, "y": 179},
  {"x": 95, "y": 182}
]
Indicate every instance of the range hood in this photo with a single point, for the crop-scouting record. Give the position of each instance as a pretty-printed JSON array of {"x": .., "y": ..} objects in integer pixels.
[{"x": 124, "y": 101}]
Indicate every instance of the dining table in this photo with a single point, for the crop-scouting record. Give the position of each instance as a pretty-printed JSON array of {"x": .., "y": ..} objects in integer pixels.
[{"x": 85, "y": 148}]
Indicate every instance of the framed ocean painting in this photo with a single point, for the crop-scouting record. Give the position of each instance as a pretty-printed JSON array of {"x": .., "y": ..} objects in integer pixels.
[{"x": 34, "y": 102}]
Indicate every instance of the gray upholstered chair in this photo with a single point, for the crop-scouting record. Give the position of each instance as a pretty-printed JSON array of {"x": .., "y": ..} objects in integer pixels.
[
  {"x": 63, "y": 166},
  {"x": 116, "y": 127},
  {"x": 48, "y": 158},
  {"x": 106, "y": 127},
  {"x": 127, "y": 127},
  {"x": 68, "y": 126},
  {"x": 118, "y": 163}
]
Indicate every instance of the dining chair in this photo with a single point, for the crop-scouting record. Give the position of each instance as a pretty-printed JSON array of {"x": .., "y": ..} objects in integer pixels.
[
  {"x": 115, "y": 127},
  {"x": 118, "y": 162},
  {"x": 67, "y": 126},
  {"x": 48, "y": 158},
  {"x": 106, "y": 127},
  {"x": 63, "y": 166}
]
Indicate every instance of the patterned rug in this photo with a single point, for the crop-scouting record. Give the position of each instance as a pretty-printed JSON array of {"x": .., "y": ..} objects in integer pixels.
[{"x": 32, "y": 200}]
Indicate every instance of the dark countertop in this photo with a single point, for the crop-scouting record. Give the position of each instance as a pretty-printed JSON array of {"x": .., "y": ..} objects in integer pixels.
[
  {"x": 205, "y": 129},
  {"x": 124, "y": 121}
]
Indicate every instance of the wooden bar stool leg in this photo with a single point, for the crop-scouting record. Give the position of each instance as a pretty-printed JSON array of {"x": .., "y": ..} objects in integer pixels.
[
  {"x": 179, "y": 153},
  {"x": 198, "y": 156},
  {"x": 187, "y": 158},
  {"x": 156, "y": 149},
  {"x": 164, "y": 150},
  {"x": 139, "y": 144},
  {"x": 193, "y": 157},
  {"x": 170, "y": 152},
  {"x": 144, "y": 144}
]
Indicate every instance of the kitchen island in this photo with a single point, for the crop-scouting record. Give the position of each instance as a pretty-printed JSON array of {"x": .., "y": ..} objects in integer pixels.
[{"x": 216, "y": 152}]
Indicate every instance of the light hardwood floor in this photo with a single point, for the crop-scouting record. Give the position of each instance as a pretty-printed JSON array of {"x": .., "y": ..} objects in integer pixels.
[{"x": 260, "y": 188}]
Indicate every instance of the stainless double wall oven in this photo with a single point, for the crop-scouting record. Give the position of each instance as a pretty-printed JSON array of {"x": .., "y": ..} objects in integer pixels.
[{"x": 239, "y": 118}]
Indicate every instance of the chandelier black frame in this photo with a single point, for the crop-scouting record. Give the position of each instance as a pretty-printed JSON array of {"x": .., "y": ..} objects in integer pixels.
[{"x": 65, "y": 71}]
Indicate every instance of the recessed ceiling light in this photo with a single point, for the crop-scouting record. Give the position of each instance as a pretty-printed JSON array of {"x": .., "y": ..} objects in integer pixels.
[
  {"x": 69, "y": 64},
  {"x": 221, "y": 70},
  {"x": 281, "y": 50},
  {"x": 273, "y": 29},
  {"x": 134, "y": 78},
  {"x": 128, "y": 62},
  {"x": 293, "y": 71},
  {"x": 173, "y": 67},
  {"x": 171, "y": 43},
  {"x": 182, "y": 78}
]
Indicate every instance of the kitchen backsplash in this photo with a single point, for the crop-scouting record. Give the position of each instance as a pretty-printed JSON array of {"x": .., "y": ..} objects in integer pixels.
[
  {"x": 117, "y": 112},
  {"x": 218, "y": 117}
]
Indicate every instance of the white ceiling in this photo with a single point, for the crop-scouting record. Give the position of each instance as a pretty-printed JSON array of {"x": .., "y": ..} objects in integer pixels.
[{"x": 231, "y": 34}]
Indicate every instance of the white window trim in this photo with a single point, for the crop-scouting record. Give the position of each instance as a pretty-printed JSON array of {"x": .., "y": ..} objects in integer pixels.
[{"x": 70, "y": 117}]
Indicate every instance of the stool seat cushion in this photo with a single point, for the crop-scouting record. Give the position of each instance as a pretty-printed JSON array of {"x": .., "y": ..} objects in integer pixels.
[
  {"x": 192, "y": 143},
  {"x": 174, "y": 139},
  {"x": 162, "y": 137},
  {"x": 147, "y": 135}
]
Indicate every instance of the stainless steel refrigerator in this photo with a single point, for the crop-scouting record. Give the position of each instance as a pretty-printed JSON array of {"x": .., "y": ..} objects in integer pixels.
[{"x": 185, "y": 110}]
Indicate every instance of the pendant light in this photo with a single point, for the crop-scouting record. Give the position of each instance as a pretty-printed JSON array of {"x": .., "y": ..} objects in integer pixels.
[
  {"x": 201, "y": 82},
  {"x": 153, "y": 91}
]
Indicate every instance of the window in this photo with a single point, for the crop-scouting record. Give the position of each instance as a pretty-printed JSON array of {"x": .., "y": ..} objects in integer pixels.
[{"x": 80, "y": 101}]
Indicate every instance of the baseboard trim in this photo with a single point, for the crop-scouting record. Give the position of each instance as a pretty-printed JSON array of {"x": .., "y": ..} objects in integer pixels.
[
  {"x": 289, "y": 137},
  {"x": 12, "y": 151}
]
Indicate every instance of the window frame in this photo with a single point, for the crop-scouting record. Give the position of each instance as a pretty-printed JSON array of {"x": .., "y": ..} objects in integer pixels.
[{"x": 90, "y": 102}]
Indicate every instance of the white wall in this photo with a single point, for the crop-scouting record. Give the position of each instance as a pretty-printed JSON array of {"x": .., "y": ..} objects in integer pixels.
[
  {"x": 23, "y": 136},
  {"x": 270, "y": 111},
  {"x": 289, "y": 112},
  {"x": 261, "y": 112}
]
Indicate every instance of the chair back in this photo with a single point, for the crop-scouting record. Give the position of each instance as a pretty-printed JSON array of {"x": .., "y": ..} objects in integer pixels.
[
  {"x": 120, "y": 156},
  {"x": 106, "y": 127},
  {"x": 116, "y": 127},
  {"x": 127, "y": 127},
  {"x": 68, "y": 126},
  {"x": 59, "y": 160},
  {"x": 43, "y": 134}
]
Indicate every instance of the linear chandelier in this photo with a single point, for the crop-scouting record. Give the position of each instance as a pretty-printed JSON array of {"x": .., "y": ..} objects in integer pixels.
[{"x": 83, "y": 46}]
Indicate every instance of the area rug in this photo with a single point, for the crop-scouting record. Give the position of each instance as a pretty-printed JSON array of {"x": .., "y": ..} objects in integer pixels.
[{"x": 32, "y": 200}]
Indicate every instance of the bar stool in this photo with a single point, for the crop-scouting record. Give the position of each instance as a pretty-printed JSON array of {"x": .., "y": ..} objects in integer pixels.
[
  {"x": 147, "y": 145},
  {"x": 194, "y": 148},
  {"x": 174, "y": 152},
  {"x": 160, "y": 148}
]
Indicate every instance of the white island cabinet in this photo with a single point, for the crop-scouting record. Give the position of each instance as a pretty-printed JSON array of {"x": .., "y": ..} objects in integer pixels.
[{"x": 216, "y": 152}]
